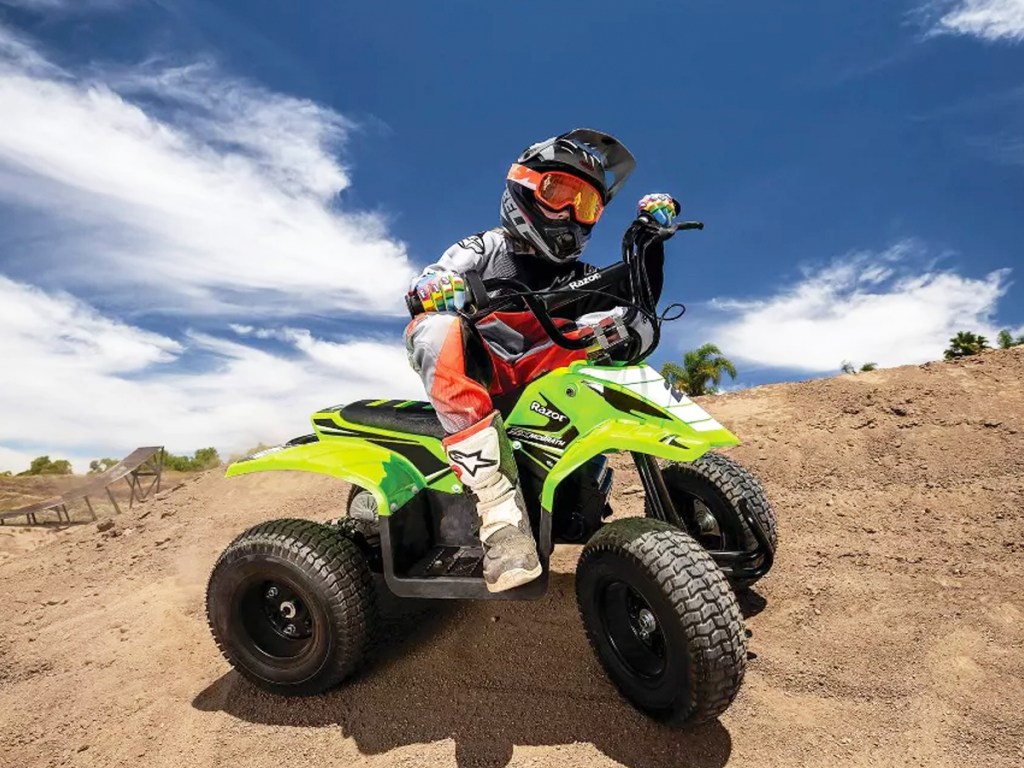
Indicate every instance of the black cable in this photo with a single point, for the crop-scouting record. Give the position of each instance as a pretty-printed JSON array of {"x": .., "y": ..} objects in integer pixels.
[
  {"x": 637, "y": 238},
  {"x": 654, "y": 319},
  {"x": 574, "y": 291}
]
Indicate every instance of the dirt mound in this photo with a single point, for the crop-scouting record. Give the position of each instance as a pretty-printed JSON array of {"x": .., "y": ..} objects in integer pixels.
[
  {"x": 891, "y": 631},
  {"x": 17, "y": 538}
]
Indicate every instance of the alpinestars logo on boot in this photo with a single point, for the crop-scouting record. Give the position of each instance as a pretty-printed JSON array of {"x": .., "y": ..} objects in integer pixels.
[{"x": 471, "y": 462}]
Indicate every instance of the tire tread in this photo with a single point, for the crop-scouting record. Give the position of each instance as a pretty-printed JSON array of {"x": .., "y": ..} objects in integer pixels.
[
  {"x": 736, "y": 483},
  {"x": 702, "y": 599},
  {"x": 337, "y": 568}
]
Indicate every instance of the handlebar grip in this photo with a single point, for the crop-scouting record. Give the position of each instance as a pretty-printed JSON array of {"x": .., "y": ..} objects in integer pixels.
[{"x": 476, "y": 293}]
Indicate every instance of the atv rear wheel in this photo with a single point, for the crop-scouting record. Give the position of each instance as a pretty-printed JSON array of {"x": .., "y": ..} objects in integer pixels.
[
  {"x": 662, "y": 620},
  {"x": 707, "y": 494},
  {"x": 291, "y": 606}
]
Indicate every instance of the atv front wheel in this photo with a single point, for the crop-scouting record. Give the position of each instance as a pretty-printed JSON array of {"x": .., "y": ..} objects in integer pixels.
[
  {"x": 707, "y": 494},
  {"x": 291, "y": 606},
  {"x": 662, "y": 620}
]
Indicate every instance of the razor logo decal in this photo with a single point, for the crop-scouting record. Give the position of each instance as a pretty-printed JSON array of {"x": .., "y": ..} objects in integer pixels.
[
  {"x": 552, "y": 413},
  {"x": 584, "y": 280},
  {"x": 471, "y": 462}
]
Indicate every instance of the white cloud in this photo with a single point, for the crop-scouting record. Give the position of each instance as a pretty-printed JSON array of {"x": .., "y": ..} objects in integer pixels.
[
  {"x": 34, "y": 4},
  {"x": 175, "y": 193},
  {"x": 889, "y": 308},
  {"x": 18, "y": 461},
  {"x": 69, "y": 6},
  {"x": 18, "y": 53},
  {"x": 987, "y": 19},
  {"x": 185, "y": 191},
  {"x": 87, "y": 385}
]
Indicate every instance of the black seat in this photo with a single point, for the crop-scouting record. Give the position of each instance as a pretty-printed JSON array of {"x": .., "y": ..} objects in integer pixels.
[{"x": 409, "y": 416}]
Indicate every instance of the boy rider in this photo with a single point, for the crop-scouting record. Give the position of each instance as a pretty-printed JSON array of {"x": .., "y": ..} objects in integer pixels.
[{"x": 555, "y": 192}]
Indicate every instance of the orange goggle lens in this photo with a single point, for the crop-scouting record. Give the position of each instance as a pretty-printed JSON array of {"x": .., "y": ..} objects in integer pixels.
[{"x": 559, "y": 190}]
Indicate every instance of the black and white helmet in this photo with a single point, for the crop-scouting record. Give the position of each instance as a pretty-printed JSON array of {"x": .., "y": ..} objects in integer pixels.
[{"x": 594, "y": 157}]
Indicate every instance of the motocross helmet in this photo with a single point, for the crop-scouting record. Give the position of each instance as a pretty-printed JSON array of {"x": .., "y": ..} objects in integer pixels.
[{"x": 578, "y": 172}]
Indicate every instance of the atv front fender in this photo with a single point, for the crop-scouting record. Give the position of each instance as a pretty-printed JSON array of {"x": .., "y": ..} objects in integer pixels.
[
  {"x": 681, "y": 443},
  {"x": 390, "y": 478}
]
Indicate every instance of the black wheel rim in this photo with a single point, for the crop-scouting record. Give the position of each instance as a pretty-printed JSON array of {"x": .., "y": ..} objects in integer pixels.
[
  {"x": 706, "y": 520},
  {"x": 276, "y": 618},
  {"x": 633, "y": 630}
]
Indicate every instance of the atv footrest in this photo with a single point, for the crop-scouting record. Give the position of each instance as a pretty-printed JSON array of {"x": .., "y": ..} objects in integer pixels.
[
  {"x": 450, "y": 561},
  {"x": 431, "y": 553},
  {"x": 452, "y": 572}
]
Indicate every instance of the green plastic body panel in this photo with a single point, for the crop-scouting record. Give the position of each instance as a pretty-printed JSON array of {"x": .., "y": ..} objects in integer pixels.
[
  {"x": 391, "y": 479},
  {"x": 561, "y": 421},
  {"x": 614, "y": 409}
]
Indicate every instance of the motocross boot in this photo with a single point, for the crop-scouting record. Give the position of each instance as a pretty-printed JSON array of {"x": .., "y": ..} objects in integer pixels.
[{"x": 481, "y": 456}]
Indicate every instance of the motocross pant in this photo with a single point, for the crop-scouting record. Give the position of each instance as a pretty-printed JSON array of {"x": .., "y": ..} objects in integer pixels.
[{"x": 463, "y": 368}]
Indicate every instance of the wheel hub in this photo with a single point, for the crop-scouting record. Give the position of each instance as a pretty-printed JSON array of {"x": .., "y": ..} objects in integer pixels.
[
  {"x": 646, "y": 624},
  {"x": 286, "y": 613},
  {"x": 705, "y": 520},
  {"x": 632, "y": 629}
]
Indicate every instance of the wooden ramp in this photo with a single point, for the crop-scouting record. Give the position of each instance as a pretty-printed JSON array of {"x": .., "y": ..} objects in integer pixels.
[{"x": 141, "y": 469}]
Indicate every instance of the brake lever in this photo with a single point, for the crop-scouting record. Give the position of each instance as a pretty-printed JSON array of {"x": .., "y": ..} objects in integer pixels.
[
  {"x": 664, "y": 233},
  {"x": 661, "y": 233}
]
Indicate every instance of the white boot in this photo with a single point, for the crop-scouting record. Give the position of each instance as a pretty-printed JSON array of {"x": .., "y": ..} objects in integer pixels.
[{"x": 482, "y": 458}]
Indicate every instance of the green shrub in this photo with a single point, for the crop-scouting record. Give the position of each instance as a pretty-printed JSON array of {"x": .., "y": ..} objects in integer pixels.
[
  {"x": 100, "y": 465},
  {"x": 42, "y": 465},
  {"x": 204, "y": 458}
]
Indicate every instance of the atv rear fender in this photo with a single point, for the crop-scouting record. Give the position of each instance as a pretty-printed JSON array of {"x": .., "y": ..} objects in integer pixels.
[{"x": 389, "y": 477}]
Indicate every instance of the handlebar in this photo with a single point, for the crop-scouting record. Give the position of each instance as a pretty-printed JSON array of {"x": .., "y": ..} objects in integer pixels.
[{"x": 478, "y": 290}]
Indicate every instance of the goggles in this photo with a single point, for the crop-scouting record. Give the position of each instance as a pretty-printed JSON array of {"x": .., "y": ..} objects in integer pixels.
[{"x": 558, "y": 190}]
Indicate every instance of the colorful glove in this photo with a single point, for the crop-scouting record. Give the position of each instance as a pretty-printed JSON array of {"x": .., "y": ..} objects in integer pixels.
[
  {"x": 441, "y": 291},
  {"x": 660, "y": 207}
]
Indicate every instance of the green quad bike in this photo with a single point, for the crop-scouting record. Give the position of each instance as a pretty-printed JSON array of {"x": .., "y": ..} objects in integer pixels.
[{"x": 291, "y": 603}]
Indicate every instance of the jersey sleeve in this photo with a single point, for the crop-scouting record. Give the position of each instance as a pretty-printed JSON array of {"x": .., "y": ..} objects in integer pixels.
[{"x": 468, "y": 254}]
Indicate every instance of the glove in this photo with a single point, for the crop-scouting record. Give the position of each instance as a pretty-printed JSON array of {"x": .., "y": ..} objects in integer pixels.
[
  {"x": 659, "y": 207},
  {"x": 640, "y": 329},
  {"x": 441, "y": 291}
]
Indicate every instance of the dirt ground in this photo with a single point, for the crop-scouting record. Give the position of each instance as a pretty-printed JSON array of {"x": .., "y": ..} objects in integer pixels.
[{"x": 891, "y": 631}]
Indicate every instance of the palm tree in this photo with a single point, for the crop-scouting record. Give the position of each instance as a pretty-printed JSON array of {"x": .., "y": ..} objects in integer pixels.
[
  {"x": 868, "y": 367},
  {"x": 965, "y": 343},
  {"x": 701, "y": 371},
  {"x": 1005, "y": 340}
]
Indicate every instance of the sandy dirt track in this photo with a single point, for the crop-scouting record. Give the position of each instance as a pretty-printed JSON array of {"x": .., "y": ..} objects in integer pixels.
[{"x": 891, "y": 631}]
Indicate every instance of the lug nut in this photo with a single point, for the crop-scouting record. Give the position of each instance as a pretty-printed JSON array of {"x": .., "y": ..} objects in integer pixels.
[{"x": 272, "y": 592}]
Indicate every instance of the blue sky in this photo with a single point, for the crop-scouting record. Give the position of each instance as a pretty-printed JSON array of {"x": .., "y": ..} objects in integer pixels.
[{"x": 208, "y": 210}]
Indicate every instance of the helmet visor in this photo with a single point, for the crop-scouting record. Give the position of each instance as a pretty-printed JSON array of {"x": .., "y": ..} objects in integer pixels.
[{"x": 558, "y": 190}]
